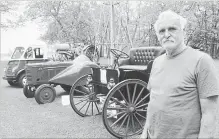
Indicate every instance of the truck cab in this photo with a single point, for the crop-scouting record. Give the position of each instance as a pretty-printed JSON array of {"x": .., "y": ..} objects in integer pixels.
[{"x": 14, "y": 72}]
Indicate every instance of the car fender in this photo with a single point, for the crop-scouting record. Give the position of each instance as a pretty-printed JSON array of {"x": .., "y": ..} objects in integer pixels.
[{"x": 20, "y": 72}]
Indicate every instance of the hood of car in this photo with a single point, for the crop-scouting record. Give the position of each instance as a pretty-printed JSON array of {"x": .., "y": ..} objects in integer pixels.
[
  {"x": 80, "y": 67},
  {"x": 50, "y": 63}
]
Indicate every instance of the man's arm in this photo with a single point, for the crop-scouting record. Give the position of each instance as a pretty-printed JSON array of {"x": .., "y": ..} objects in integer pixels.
[{"x": 208, "y": 120}]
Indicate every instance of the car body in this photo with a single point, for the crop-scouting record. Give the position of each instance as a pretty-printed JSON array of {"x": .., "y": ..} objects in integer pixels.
[
  {"x": 14, "y": 72},
  {"x": 63, "y": 73}
]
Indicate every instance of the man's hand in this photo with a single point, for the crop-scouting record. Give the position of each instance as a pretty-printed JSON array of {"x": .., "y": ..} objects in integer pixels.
[{"x": 209, "y": 109}]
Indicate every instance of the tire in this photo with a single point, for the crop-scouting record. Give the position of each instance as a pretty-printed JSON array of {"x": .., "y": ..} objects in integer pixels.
[
  {"x": 45, "y": 94},
  {"x": 11, "y": 83},
  {"x": 84, "y": 101},
  {"x": 67, "y": 88},
  {"x": 124, "y": 110},
  {"x": 22, "y": 80},
  {"x": 27, "y": 92}
]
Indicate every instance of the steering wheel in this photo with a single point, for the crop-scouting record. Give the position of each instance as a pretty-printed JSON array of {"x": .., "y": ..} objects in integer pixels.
[{"x": 119, "y": 54}]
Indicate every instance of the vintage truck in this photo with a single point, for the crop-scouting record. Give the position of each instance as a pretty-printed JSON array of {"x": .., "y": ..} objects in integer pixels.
[{"x": 14, "y": 72}]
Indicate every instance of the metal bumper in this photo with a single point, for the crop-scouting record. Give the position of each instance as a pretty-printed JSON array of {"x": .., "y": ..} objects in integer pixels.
[{"x": 9, "y": 78}]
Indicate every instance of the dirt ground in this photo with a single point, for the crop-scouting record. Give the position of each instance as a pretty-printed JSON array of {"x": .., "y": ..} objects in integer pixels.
[{"x": 24, "y": 118}]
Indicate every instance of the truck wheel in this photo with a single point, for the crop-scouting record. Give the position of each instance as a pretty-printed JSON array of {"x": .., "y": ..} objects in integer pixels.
[
  {"x": 28, "y": 92},
  {"x": 45, "y": 94},
  {"x": 11, "y": 83},
  {"x": 22, "y": 80}
]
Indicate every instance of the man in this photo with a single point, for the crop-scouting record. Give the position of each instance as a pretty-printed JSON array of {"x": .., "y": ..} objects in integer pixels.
[{"x": 183, "y": 86}]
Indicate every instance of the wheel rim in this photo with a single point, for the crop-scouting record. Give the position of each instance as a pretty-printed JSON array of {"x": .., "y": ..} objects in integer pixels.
[
  {"x": 84, "y": 99},
  {"x": 46, "y": 95},
  {"x": 24, "y": 81},
  {"x": 124, "y": 112}
]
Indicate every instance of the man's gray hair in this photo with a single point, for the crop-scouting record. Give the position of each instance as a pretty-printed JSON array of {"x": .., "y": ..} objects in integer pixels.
[{"x": 171, "y": 15}]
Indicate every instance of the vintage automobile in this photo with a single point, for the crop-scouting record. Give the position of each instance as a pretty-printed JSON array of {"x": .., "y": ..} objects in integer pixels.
[
  {"x": 14, "y": 72},
  {"x": 40, "y": 74},
  {"x": 119, "y": 94}
]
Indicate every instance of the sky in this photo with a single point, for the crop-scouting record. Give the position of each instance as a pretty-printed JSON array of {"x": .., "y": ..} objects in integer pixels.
[{"x": 23, "y": 36}]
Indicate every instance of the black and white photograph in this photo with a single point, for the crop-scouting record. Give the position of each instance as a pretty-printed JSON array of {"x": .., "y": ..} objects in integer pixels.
[{"x": 127, "y": 69}]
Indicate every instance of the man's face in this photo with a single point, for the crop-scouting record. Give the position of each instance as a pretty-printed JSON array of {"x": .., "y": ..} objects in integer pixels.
[{"x": 169, "y": 33}]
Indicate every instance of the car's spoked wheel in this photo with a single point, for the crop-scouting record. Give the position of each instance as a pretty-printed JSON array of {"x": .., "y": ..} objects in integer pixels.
[
  {"x": 45, "y": 94},
  {"x": 124, "y": 111},
  {"x": 83, "y": 98}
]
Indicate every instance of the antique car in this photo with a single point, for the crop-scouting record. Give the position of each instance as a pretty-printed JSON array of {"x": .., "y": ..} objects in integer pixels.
[
  {"x": 14, "y": 72},
  {"x": 40, "y": 74},
  {"x": 117, "y": 92}
]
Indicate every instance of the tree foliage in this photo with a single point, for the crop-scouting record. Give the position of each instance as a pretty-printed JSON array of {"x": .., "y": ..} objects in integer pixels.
[
  {"x": 89, "y": 21},
  {"x": 9, "y": 16}
]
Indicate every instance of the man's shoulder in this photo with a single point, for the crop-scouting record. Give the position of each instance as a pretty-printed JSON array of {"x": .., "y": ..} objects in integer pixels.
[{"x": 198, "y": 55}]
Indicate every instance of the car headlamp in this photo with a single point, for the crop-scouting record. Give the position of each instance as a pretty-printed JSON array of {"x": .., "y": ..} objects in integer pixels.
[
  {"x": 14, "y": 69},
  {"x": 89, "y": 79},
  {"x": 111, "y": 83},
  {"x": 5, "y": 69}
]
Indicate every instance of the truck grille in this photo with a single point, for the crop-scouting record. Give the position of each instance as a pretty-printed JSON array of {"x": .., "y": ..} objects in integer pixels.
[{"x": 9, "y": 71}]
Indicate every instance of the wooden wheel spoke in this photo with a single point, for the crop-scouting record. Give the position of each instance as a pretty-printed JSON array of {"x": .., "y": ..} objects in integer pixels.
[
  {"x": 123, "y": 97},
  {"x": 138, "y": 121},
  {"x": 127, "y": 125},
  {"x": 142, "y": 105},
  {"x": 134, "y": 92},
  {"x": 112, "y": 108},
  {"x": 97, "y": 107},
  {"x": 81, "y": 92},
  {"x": 92, "y": 107},
  {"x": 119, "y": 102},
  {"x": 83, "y": 106},
  {"x": 141, "y": 115},
  {"x": 141, "y": 110},
  {"x": 116, "y": 114},
  {"x": 122, "y": 123},
  {"x": 127, "y": 88},
  {"x": 133, "y": 126},
  {"x": 80, "y": 101},
  {"x": 118, "y": 120},
  {"x": 87, "y": 108},
  {"x": 142, "y": 99},
  {"x": 139, "y": 95}
]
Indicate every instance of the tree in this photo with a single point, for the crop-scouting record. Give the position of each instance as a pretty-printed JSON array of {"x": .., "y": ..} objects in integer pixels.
[{"x": 9, "y": 16}]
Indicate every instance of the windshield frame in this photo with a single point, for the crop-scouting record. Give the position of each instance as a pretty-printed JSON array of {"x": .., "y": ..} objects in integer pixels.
[{"x": 17, "y": 49}]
